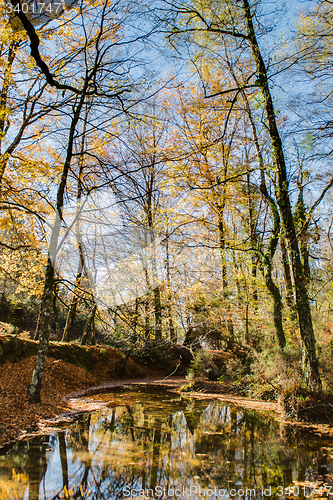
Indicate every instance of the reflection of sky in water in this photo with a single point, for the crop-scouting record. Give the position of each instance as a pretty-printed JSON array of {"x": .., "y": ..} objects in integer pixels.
[{"x": 145, "y": 440}]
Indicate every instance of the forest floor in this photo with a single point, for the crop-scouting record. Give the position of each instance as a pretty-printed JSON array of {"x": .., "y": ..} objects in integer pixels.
[
  {"x": 79, "y": 368},
  {"x": 73, "y": 371}
]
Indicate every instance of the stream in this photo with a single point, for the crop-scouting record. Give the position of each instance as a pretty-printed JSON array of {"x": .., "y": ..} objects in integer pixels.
[{"x": 144, "y": 444}]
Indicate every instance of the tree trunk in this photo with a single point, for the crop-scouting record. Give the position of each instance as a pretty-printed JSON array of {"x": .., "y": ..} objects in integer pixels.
[
  {"x": 44, "y": 326},
  {"x": 252, "y": 227},
  {"x": 3, "y": 299},
  {"x": 277, "y": 311},
  {"x": 47, "y": 299},
  {"x": 56, "y": 316},
  {"x": 147, "y": 318},
  {"x": 37, "y": 331},
  {"x": 247, "y": 331},
  {"x": 172, "y": 332},
  {"x": 287, "y": 279},
  {"x": 236, "y": 277},
  {"x": 311, "y": 364},
  {"x": 158, "y": 313},
  {"x": 88, "y": 326},
  {"x": 266, "y": 266},
  {"x": 265, "y": 259},
  {"x": 221, "y": 231},
  {"x": 4, "y": 103},
  {"x": 67, "y": 334},
  {"x": 93, "y": 330}
]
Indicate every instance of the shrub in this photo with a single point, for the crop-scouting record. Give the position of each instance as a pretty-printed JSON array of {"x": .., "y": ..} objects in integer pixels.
[
  {"x": 275, "y": 372},
  {"x": 199, "y": 363}
]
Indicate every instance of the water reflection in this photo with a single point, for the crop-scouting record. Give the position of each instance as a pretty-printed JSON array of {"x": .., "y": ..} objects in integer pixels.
[{"x": 167, "y": 446}]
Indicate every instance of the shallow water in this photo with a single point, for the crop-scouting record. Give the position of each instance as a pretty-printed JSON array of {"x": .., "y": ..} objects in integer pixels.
[{"x": 161, "y": 445}]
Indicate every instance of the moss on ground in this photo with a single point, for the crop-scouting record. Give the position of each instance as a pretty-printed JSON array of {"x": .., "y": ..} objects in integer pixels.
[{"x": 14, "y": 349}]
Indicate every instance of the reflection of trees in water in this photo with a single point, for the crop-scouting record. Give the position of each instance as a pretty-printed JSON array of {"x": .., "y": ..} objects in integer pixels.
[
  {"x": 243, "y": 447},
  {"x": 37, "y": 465},
  {"x": 63, "y": 459},
  {"x": 168, "y": 443}
]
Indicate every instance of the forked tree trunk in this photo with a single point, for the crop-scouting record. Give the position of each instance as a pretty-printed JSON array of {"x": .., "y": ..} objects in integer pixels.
[
  {"x": 265, "y": 263},
  {"x": 67, "y": 334},
  {"x": 277, "y": 309}
]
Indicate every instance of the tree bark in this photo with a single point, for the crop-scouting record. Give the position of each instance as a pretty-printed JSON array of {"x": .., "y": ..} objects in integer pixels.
[
  {"x": 252, "y": 227},
  {"x": 4, "y": 101},
  {"x": 172, "y": 332},
  {"x": 287, "y": 278},
  {"x": 147, "y": 318},
  {"x": 265, "y": 263},
  {"x": 277, "y": 311},
  {"x": 67, "y": 334},
  {"x": 221, "y": 233}
]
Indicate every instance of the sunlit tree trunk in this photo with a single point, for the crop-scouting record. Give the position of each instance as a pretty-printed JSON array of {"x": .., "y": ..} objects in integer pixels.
[
  {"x": 265, "y": 257},
  {"x": 67, "y": 333},
  {"x": 158, "y": 313}
]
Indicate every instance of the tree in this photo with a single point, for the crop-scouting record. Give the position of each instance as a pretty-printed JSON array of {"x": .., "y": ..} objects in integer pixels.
[
  {"x": 105, "y": 71},
  {"x": 234, "y": 23},
  {"x": 139, "y": 157}
]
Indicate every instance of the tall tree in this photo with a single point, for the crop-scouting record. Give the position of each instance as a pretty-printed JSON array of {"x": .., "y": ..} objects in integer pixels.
[
  {"x": 235, "y": 23},
  {"x": 104, "y": 66},
  {"x": 140, "y": 163}
]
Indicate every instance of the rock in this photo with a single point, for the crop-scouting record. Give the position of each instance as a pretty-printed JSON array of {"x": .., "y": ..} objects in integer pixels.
[
  {"x": 212, "y": 371},
  {"x": 201, "y": 336},
  {"x": 183, "y": 351}
]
